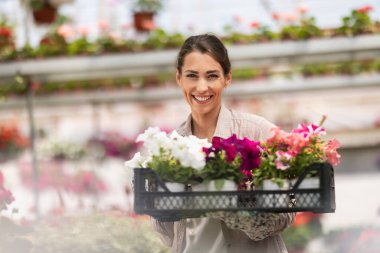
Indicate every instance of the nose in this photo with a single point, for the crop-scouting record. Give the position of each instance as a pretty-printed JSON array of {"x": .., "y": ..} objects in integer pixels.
[{"x": 202, "y": 85}]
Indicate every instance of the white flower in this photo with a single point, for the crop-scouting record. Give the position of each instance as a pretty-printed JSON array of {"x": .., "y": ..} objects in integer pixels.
[
  {"x": 136, "y": 162},
  {"x": 175, "y": 136},
  {"x": 148, "y": 134},
  {"x": 154, "y": 140},
  {"x": 188, "y": 151}
]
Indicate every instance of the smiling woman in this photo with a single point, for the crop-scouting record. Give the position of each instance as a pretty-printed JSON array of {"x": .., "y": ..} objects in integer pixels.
[{"x": 203, "y": 72}]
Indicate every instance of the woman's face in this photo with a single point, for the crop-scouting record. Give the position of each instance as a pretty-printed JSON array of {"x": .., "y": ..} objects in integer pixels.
[{"x": 202, "y": 81}]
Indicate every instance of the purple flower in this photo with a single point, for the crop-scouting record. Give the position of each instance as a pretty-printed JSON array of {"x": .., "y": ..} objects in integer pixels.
[
  {"x": 250, "y": 153},
  {"x": 226, "y": 145}
]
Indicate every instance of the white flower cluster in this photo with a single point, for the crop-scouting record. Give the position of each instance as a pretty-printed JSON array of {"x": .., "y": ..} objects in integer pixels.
[{"x": 187, "y": 150}]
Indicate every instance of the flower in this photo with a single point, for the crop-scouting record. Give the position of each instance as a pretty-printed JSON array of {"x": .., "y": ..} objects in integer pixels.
[
  {"x": 250, "y": 153},
  {"x": 174, "y": 157},
  {"x": 191, "y": 160},
  {"x": 12, "y": 142},
  {"x": 308, "y": 130},
  {"x": 5, "y": 32},
  {"x": 276, "y": 16},
  {"x": 289, "y": 17},
  {"x": 302, "y": 9},
  {"x": 113, "y": 144},
  {"x": 330, "y": 152},
  {"x": 6, "y": 196},
  {"x": 136, "y": 162},
  {"x": 231, "y": 158},
  {"x": 103, "y": 25},
  {"x": 365, "y": 9},
  {"x": 254, "y": 24},
  {"x": 84, "y": 31},
  {"x": 282, "y": 160},
  {"x": 286, "y": 155},
  {"x": 65, "y": 31}
]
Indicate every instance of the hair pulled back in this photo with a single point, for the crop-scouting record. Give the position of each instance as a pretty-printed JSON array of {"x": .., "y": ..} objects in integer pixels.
[{"x": 205, "y": 44}]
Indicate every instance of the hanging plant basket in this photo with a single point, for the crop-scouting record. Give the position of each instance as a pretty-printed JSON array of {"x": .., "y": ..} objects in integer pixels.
[
  {"x": 45, "y": 15},
  {"x": 143, "y": 21}
]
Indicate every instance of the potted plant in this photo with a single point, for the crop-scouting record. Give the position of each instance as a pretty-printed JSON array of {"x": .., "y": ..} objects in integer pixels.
[
  {"x": 229, "y": 162},
  {"x": 358, "y": 22},
  {"x": 6, "y": 35},
  {"x": 176, "y": 159},
  {"x": 287, "y": 155},
  {"x": 144, "y": 11},
  {"x": 12, "y": 142},
  {"x": 43, "y": 11}
]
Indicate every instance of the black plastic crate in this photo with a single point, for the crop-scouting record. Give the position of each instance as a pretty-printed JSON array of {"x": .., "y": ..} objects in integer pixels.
[{"x": 165, "y": 205}]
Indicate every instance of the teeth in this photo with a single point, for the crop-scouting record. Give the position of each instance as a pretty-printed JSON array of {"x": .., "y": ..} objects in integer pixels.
[{"x": 202, "y": 98}]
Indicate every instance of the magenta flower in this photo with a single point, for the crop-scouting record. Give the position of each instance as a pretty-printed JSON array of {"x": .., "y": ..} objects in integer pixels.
[
  {"x": 309, "y": 130},
  {"x": 249, "y": 152},
  {"x": 227, "y": 145},
  {"x": 251, "y": 155}
]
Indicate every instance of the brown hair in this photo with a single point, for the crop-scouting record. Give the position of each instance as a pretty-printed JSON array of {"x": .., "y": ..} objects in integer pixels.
[{"x": 206, "y": 44}]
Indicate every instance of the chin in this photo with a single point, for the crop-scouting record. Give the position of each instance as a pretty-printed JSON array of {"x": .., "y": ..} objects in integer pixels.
[{"x": 203, "y": 109}]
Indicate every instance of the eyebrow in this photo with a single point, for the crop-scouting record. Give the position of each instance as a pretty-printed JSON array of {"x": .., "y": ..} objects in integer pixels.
[
  {"x": 207, "y": 72},
  {"x": 213, "y": 71}
]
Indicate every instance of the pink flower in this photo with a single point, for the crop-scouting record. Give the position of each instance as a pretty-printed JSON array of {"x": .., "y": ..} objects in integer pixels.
[
  {"x": 296, "y": 143},
  {"x": 65, "y": 31},
  {"x": 365, "y": 9},
  {"x": 282, "y": 160},
  {"x": 103, "y": 25},
  {"x": 84, "y": 30},
  {"x": 290, "y": 17},
  {"x": 276, "y": 16},
  {"x": 330, "y": 151},
  {"x": 302, "y": 9},
  {"x": 278, "y": 137},
  {"x": 309, "y": 130},
  {"x": 254, "y": 24},
  {"x": 6, "y": 197}
]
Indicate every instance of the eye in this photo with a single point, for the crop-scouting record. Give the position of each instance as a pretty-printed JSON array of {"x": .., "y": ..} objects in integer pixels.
[
  {"x": 212, "y": 77},
  {"x": 191, "y": 76}
]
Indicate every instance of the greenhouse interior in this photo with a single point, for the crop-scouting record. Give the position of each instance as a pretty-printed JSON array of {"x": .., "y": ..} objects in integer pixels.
[{"x": 80, "y": 80}]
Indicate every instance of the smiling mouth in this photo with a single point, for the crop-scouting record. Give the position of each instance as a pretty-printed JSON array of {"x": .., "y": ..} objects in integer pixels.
[{"x": 202, "y": 99}]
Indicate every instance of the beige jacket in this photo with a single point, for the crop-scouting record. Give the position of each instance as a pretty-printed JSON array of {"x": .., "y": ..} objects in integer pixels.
[{"x": 225, "y": 232}]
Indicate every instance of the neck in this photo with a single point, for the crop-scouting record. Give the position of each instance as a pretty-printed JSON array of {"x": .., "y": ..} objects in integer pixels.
[{"x": 204, "y": 125}]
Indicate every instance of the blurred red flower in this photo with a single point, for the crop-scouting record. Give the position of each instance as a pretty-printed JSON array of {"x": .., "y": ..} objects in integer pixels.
[
  {"x": 365, "y": 9},
  {"x": 254, "y": 24}
]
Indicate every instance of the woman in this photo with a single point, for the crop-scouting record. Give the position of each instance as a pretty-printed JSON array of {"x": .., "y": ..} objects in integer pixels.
[{"x": 203, "y": 72}]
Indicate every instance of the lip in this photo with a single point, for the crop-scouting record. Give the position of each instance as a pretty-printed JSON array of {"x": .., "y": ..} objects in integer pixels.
[{"x": 202, "y": 102}]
